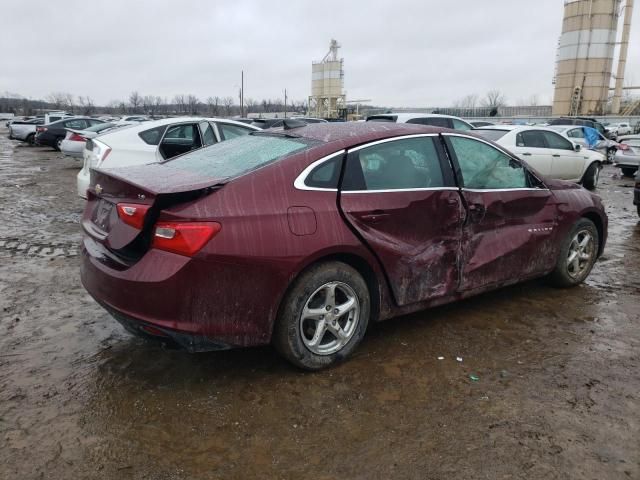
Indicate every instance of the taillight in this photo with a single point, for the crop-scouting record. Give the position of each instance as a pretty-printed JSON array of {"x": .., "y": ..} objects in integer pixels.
[
  {"x": 623, "y": 146},
  {"x": 76, "y": 138},
  {"x": 132, "y": 214},
  {"x": 183, "y": 238},
  {"x": 41, "y": 129}
]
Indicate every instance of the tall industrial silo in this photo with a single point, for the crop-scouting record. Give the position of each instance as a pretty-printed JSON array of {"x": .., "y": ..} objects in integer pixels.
[
  {"x": 585, "y": 57},
  {"x": 327, "y": 85}
]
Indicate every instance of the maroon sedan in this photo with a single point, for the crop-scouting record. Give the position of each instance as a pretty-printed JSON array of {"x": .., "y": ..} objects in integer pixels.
[{"x": 303, "y": 237}]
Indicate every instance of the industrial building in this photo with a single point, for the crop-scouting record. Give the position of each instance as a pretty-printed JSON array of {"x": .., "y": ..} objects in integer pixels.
[
  {"x": 327, "y": 98},
  {"x": 586, "y": 54}
]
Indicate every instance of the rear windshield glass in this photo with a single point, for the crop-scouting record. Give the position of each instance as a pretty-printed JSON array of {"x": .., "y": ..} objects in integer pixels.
[
  {"x": 489, "y": 133},
  {"x": 239, "y": 155}
]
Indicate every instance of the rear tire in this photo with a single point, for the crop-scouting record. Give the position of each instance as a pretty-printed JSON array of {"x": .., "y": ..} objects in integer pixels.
[
  {"x": 591, "y": 176},
  {"x": 57, "y": 144},
  {"x": 578, "y": 254},
  {"x": 31, "y": 139},
  {"x": 628, "y": 172},
  {"x": 323, "y": 317}
]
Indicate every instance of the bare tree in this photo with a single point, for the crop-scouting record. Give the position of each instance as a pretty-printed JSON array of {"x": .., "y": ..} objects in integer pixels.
[
  {"x": 86, "y": 104},
  {"x": 57, "y": 99},
  {"x": 494, "y": 99},
  {"x": 135, "y": 100},
  {"x": 192, "y": 102},
  {"x": 252, "y": 105},
  {"x": 112, "y": 106},
  {"x": 159, "y": 103},
  {"x": 149, "y": 104},
  {"x": 180, "y": 102},
  {"x": 468, "y": 101},
  {"x": 228, "y": 105}
]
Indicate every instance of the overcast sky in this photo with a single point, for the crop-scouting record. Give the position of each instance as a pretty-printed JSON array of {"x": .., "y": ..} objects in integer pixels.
[{"x": 398, "y": 53}]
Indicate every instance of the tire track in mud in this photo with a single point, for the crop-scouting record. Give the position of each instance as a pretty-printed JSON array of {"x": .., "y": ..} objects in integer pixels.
[{"x": 14, "y": 246}]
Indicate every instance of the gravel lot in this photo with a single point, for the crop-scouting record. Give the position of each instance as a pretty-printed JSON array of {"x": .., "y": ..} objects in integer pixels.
[{"x": 558, "y": 395}]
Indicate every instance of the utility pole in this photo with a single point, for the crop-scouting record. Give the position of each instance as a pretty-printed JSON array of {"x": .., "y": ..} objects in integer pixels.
[
  {"x": 285, "y": 103},
  {"x": 241, "y": 93}
]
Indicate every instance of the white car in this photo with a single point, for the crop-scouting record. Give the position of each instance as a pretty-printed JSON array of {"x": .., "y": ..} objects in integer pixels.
[
  {"x": 548, "y": 152},
  {"x": 133, "y": 119},
  {"x": 25, "y": 130},
  {"x": 618, "y": 129},
  {"x": 73, "y": 143},
  {"x": 628, "y": 156},
  {"x": 431, "y": 119},
  {"x": 154, "y": 141},
  {"x": 575, "y": 133}
]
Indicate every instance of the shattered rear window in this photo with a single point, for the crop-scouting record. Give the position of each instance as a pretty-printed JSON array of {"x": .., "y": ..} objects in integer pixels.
[{"x": 239, "y": 155}]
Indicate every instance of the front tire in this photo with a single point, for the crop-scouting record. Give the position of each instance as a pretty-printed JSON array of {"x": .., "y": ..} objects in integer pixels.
[
  {"x": 628, "y": 172},
  {"x": 578, "y": 254},
  {"x": 323, "y": 317},
  {"x": 591, "y": 176}
]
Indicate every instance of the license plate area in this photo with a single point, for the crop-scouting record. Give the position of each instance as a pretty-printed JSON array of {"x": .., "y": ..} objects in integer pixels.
[{"x": 101, "y": 216}]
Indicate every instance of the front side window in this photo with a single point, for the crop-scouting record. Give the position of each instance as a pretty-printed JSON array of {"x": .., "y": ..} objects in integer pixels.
[
  {"x": 400, "y": 164},
  {"x": 484, "y": 167},
  {"x": 208, "y": 135},
  {"x": 77, "y": 124},
  {"x": 576, "y": 133},
  {"x": 556, "y": 141}
]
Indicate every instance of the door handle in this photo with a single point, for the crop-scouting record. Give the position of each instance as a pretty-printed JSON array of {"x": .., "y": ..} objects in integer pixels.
[
  {"x": 555, "y": 155},
  {"x": 527, "y": 154}
]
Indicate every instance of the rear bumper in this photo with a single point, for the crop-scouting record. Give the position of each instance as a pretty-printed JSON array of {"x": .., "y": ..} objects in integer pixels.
[
  {"x": 201, "y": 305},
  {"x": 72, "y": 149}
]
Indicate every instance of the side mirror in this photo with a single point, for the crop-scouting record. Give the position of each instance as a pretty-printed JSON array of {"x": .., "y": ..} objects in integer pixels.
[{"x": 577, "y": 147}]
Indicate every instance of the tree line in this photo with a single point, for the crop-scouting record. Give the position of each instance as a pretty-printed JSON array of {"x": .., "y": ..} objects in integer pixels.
[{"x": 153, "y": 105}]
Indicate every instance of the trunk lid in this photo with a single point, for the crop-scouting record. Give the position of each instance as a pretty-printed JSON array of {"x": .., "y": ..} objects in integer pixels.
[{"x": 149, "y": 188}]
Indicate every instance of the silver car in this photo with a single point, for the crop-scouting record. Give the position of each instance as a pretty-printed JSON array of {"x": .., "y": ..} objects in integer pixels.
[{"x": 628, "y": 154}]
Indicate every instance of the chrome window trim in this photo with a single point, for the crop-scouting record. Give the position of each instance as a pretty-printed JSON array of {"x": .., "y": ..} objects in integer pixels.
[
  {"x": 508, "y": 154},
  {"x": 300, "y": 179},
  {"x": 425, "y": 189},
  {"x": 392, "y": 139}
]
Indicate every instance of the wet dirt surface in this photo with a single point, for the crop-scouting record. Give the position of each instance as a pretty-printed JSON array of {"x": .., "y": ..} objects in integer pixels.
[{"x": 558, "y": 394}]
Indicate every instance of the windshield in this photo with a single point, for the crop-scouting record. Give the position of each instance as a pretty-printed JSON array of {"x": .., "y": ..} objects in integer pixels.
[
  {"x": 234, "y": 157},
  {"x": 490, "y": 133}
]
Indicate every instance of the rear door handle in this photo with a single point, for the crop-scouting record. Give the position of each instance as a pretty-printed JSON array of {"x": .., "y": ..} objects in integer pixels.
[
  {"x": 555, "y": 155},
  {"x": 527, "y": 154}
]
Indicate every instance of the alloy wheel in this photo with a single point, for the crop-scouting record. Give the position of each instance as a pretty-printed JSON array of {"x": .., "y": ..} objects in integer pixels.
[
  {"x": 581, "y": 253},
  {"x": 329, "y": 318},
  {"x": 611, "y": 154}
]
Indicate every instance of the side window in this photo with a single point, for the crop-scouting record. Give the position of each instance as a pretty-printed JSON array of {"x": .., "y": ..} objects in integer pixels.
[
  {"x": 77, "y": 124},
  {"x": 485, "y": 167},
  {"x": 530, "y": 138},
  {"x": 432, "y": 121},
  {"x": 399, "y": 164},
  {"x": 325, "y": 175},
  {"x": 208, "y": 135},
  {"x": 556, "y": 141},
  {"x": 576, "y": 133},
  {"x": 228, "y": 131},
  {"x": 95, "y": 122},
  {"x": 458, "y": 125},
  {"x": 180, "y": 139},
  {"x": 153, "y": 135}
]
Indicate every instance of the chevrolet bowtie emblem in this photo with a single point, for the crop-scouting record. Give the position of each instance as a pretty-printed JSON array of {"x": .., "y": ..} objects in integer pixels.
[{"x": 98, "y": 189}]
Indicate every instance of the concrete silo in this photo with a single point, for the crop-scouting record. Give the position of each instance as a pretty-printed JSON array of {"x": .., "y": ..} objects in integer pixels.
[
  {"x": 585, "y": 57},
  {"x": 327, "y": 85}
]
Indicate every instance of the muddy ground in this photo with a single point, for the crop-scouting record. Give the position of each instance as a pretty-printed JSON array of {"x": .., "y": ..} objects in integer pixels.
[{"x": 558, "y": 395}]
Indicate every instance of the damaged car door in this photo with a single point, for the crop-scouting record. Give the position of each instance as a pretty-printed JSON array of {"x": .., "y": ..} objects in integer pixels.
[
  {"x": 399, "y": 196},
  {"x": 508, "y": 232}
]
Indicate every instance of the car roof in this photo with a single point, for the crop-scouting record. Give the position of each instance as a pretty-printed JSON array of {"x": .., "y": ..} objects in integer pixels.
[
  {"x": 352, "y": 133},
  {"x": 168, "y": 121}
]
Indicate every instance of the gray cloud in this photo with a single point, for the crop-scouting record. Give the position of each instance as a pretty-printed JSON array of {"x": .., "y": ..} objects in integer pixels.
[{"x": 402, "y": 53}]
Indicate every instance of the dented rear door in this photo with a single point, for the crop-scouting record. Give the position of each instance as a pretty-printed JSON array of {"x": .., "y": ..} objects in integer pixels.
[
  {"x": 398, "y": 195},
  {"x": 508, "y": 233}
]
